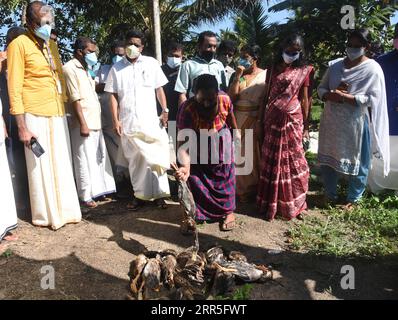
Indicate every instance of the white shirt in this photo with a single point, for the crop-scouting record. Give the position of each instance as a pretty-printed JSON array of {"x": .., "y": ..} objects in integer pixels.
[
  {"x": 81, "y": 87},
  {"x": 102, "y": 73},
  {"x": 135, "y": 85}
]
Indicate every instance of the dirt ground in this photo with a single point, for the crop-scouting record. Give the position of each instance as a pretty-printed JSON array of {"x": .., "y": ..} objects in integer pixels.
[{"x": 92, "y": 259}]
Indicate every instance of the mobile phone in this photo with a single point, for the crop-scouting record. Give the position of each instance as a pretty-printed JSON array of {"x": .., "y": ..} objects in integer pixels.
[
  {"x": 343, "y": 86},
  {"x": 37, "y": 149}
]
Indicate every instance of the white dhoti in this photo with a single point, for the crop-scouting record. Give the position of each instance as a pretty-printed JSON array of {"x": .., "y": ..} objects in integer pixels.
[
  {"x": 93, "y": 170},
  {"x": 376, "y": 181},
  {"x": 118, "y": 161},
  {"x": 52, "y": 189},
  {"x": 148, "y": 156},
  {"x": 112, "y": 140},
  {"x": 8, "y": 213}
]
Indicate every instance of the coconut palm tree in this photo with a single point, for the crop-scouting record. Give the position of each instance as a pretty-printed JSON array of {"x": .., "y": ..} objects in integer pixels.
[{"x": 107, "y": 20}]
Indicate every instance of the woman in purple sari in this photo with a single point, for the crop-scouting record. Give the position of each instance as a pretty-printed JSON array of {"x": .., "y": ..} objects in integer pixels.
[{"x": 207, "y": 121}]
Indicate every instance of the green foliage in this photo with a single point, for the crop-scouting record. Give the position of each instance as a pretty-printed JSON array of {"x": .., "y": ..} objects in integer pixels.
[
  {"x": 241, "y": 293},
  {"x": 370, "y": 230},
  {"x": 7, "y": 253},
  {"x": 319, "y": 22},
  {"x": 107, "y": 21}
]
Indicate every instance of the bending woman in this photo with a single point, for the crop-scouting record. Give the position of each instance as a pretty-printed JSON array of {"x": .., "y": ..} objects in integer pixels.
[{"x": 211, "y": 179}]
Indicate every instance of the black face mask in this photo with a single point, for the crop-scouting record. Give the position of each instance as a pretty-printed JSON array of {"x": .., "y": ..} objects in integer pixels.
[
  {"x": 207, "y": 55},
  {"x": 207, "y": 113}
]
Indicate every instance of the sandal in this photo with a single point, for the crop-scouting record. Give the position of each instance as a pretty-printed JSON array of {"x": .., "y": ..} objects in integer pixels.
[
  {"x": 90, "y": 204},
  {"x": 161, "y": 204},
  {"x": 11, "y": 237},
  {"x": 104, "y": 199},
  {"x": 227, "y": 226},
  {"x": 135, "y": 204}
]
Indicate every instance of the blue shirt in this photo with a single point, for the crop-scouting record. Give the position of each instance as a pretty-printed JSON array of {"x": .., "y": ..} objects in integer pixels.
[
  {"x": 389, "y": 64},
  {"x": 194, "y": 68}
]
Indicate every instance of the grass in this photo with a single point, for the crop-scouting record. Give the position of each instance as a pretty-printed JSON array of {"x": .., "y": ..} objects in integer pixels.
[
  {"x": 7, "y": 253},
  {"x": 370, "y": 230},
  {"x": 241, "y": 293}
]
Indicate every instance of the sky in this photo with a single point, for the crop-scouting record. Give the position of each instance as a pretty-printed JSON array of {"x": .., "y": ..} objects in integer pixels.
[{"x": 228, "y": 22}]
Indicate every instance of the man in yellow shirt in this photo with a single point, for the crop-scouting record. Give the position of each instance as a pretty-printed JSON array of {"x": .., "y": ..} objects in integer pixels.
[
  {"x": 93, "y": 171},
  {"x": 35, "y": 94}
]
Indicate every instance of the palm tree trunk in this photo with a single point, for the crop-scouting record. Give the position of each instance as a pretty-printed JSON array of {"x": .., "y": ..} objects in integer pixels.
[
  {"x": 23, "y": 16},
  {"x": 156, "y": 30}
]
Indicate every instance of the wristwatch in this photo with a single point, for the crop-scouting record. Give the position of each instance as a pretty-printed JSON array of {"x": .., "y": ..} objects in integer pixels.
[{"x": 166, "y": 110}]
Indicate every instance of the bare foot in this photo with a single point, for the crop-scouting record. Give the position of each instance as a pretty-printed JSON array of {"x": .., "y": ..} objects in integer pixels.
[
  {"x": 11, "y": 237},
  {"x": 349, "y": 206}
]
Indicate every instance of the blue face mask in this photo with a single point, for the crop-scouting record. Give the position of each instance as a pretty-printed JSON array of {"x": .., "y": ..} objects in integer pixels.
[
  {"x": 244, "y": 63},
  {"x": 116, "y": 59},
  {"x": 91, "y": 59},
  {"x": 44, "y": 32}
]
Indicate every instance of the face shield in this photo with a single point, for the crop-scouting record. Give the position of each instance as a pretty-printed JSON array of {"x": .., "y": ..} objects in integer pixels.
[{"x": 47, "y": 16}]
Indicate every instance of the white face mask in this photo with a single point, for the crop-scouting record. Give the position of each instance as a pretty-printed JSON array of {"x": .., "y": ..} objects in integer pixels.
[
  {"x": 174, "y": 62},
  {"x": 133, "y": 52},
  {"x": 354, "y": 53},
  {"x": 289, "y": 58}
]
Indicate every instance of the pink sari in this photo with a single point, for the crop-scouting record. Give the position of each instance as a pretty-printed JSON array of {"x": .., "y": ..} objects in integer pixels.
[{"x": 284, "y": 170}]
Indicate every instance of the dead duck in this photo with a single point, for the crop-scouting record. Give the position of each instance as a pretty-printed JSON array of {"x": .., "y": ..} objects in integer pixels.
[
  {"x": 136, "y": 268},
  {"x": 237, "y": 256},
  {"x": 169, "y": 264},
  {"x": 215, "y": 254},
  {"x": 223, "y": 284},
  {"x": 151, "y": 274},
  {"x": 187, "y": 255},
  {"x": 244, "y": 271},
  {"x": 194, "y": 270}
]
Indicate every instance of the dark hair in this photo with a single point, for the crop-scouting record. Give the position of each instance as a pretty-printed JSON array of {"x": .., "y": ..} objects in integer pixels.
[
  {"x": 252, "y": 50},
  {"x": 135, "y": 34},
  {"x": 205, "y": 82},
  {"x": 30, "y": 10},
  {"x": 287, "y": 42},
  {"x": 81, "y": 43},
  {"x": 118, "y": 44},
  {"x": 13, "y": 33},
  {"x": 174, "y": 46},
  {"x": 206, "y": 34},
  {"x": 396, "y": 31},
  {"x": 227, "y": 46},
  {"x": 376, "y": 50},
  {"x": 362, "y": 34}
]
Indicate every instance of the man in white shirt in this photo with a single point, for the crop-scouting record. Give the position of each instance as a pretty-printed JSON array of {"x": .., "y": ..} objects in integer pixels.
[
  {"x": 112, "y": 140},
  {"x": 134, "y": 83},
  {"x": 93, "y": 171},
  {"x": 226, "y": 53}
]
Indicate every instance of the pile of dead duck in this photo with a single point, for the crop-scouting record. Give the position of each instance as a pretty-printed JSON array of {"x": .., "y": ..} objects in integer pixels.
[{"x": 192, "y": 275}]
